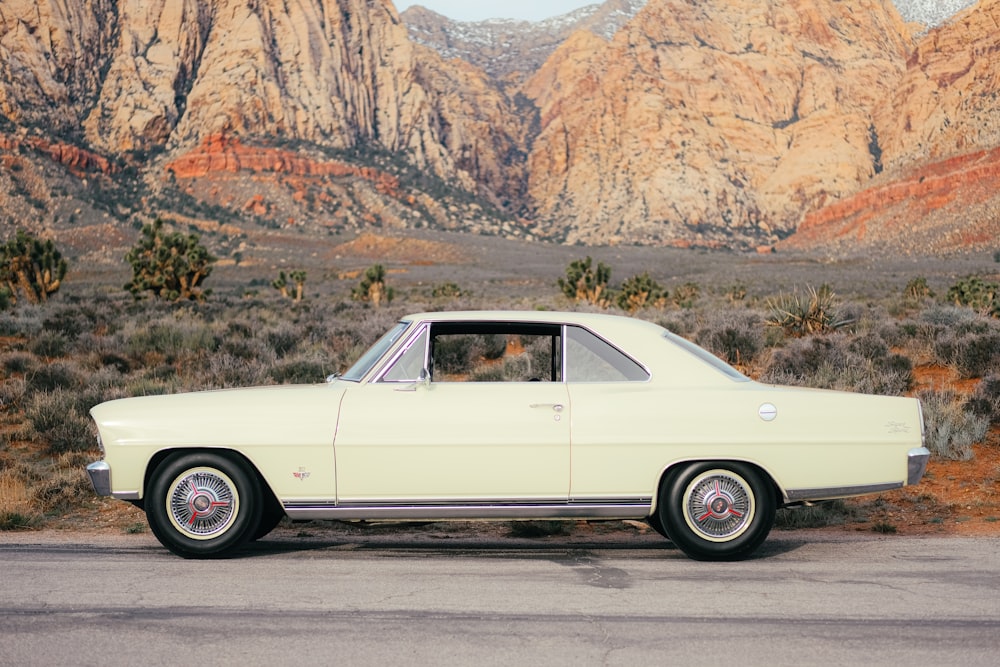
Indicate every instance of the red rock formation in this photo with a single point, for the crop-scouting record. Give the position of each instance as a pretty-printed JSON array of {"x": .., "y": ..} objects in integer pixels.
[
  {"x": 941, "y": 206},
  {"x": 221, "y": 153},
  {"x": 77, "y": 160}
]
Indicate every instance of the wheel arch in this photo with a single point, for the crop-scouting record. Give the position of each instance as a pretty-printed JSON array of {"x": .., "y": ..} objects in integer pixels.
[
  {"x": 162, "y": 455},
  {"x": 677, "y": 467}
]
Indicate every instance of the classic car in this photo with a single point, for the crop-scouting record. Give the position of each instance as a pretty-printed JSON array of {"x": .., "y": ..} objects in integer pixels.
[{"x": 506, "y": 415}]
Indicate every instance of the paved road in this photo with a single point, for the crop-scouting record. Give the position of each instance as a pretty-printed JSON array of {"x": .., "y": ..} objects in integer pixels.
[{"x": 455, "y": 599}]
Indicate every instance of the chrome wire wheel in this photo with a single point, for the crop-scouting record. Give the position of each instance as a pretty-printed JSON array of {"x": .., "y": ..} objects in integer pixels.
[
  {"x": 719, "y": 505},
  {"x": 202, "y": 503}
]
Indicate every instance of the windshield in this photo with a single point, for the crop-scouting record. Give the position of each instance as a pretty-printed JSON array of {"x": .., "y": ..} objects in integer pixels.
[{"x": 374, "y": 353}]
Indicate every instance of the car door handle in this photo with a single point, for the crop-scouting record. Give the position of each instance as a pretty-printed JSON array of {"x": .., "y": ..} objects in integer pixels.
[{"x": 555, "y": 406}]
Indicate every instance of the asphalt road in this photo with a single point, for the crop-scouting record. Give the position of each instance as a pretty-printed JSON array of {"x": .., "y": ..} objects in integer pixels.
[{"x": 457, "y": 599}]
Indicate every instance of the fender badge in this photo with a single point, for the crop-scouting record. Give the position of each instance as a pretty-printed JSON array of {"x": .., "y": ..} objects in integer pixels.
[
  {"x": 897, "y": 427},
  {"x": 302, "y": 475}
]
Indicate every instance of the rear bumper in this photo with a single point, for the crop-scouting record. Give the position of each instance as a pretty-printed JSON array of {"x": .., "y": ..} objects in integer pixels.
[
  {"x": 916, "y": 464},
  {"x": 100, "y": 477}
]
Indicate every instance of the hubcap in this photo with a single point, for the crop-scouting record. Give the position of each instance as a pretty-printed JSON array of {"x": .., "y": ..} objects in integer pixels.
[
  {"x": 202, "y": 503},
  {"x": 719, "y": 505}
]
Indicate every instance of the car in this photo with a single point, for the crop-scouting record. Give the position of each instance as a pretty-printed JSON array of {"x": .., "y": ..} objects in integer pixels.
[{"x": 506, "y": 415}]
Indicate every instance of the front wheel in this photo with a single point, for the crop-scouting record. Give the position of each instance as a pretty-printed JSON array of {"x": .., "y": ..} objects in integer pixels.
[
  {"x": 716, "y": 510},
  {"x": 203, "y": 504}
]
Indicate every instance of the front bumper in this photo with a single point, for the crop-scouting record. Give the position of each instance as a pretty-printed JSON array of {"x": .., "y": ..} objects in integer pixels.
[
  {"x": 100, "y": 477},
  {"x": 916, "y": 464}
]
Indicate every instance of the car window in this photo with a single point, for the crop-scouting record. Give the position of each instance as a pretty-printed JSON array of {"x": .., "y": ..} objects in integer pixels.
[
  {"x": 590, "y": 358},
  {"x": 410, "y": 362},
  {"x": 374, "y": 353},
  {"x": 495, "y": 352}
]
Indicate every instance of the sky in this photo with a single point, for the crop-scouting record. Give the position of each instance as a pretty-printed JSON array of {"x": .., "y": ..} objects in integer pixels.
[{"x": 478, "y": 10}]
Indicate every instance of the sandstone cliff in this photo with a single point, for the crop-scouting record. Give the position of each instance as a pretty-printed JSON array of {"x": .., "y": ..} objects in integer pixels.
[
  {"x": 509, "y": 50},
  {"x": 938, "y": 131},
  {"x": 713, "y": 123}
]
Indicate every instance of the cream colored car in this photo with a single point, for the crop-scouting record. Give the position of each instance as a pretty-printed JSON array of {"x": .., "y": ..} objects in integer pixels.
[{"x": 506, "y": 415}]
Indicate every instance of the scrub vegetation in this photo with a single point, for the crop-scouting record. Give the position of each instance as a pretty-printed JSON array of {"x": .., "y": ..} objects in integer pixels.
[{"x": 62, "y": 356}]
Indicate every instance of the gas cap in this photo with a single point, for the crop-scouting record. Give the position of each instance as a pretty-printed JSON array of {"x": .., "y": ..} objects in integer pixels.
[{"x": 768, "y": 412}]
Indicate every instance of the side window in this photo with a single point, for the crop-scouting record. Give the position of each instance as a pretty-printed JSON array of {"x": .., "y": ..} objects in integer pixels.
[
  {"x": 410, "y": 362},
  {"x": 495, "y": 353},
  {"x": 591, "y": 359}
]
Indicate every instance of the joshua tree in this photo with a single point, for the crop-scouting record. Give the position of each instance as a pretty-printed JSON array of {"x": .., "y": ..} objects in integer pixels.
[
  {"x": 584, "y": 283},
  {"x": 298, "y": 278},
  {"x": 34, "y": 268},
  {"x": 373, "y": 288},
  {"x": 170, "y": 265},
  {"x": 639, "y": 292}
]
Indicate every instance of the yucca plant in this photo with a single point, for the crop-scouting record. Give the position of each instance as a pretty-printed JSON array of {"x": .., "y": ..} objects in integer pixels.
[{"x": 805, "y": 315}]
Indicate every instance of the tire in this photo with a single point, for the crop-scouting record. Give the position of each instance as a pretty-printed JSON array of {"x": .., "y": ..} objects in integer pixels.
[
  {"x": 270, "y": 517},
  {"x": 717, "y": 510},
  {"x": 654, "y": 522},
  {"x": 204, "y": 504}
]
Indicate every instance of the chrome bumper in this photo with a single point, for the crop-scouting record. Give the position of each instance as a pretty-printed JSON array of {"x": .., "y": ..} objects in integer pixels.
[
  {"x": 100, "y": 477},
  {"x": 916, "y": 464}
]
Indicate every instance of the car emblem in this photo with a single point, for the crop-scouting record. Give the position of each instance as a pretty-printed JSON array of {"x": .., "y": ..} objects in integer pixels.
[{"x": 302, "y": 474}]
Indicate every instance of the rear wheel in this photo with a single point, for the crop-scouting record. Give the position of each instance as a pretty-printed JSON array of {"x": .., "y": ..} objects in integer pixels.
[
  {"x": 203, "y": 504},
  {"x": 717, "y": 510}
]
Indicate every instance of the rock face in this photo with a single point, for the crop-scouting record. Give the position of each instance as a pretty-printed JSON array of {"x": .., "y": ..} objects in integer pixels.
[
  {"x": 717, "y": 123},
  {"x": 713, "y": 123},
  {"x": 939, "y": 133},
  {"x": 509, "y": 50}
]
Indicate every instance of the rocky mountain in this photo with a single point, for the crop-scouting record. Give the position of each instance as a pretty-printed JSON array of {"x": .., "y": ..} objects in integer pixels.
[
  {"x": 721, "y": 123},
  {"x": 939, "y": 135},
  {"x": 509, "y": 49}
]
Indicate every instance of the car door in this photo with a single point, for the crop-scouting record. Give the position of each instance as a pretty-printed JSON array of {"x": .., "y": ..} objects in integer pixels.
[{"x": 450, "y": 437}]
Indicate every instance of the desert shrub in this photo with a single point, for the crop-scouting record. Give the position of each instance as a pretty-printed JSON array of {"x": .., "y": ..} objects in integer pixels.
[
  {"x": 60, "y": 492},
  {"x": 971, "y": 354},
  {"x": 738, "y": 338},
  {"x": 18, "y": 362},
  {"x": 585, "y": 282},
  {"x": 641, "y": 291},
  {"x": 798, "y": 315},
  {"x": 305, "y": 370},
  {"x": 57, "y": 375},
  {"x": 686, "y": 295},
  {"x": 171, "y": 338},
  {"x": 48, "y": 344},
  {"x": 225, "y": 371},
  {"x": 447, "y": 290},
  {"x": 56, "y": 421},
  {"x": 985, "y": 400},
  {"x": 864, "y": 365},
  {"x": 977, "y": 294},
  {"x": 951, "y": 429},
  {"x": 283, "y": 339}
]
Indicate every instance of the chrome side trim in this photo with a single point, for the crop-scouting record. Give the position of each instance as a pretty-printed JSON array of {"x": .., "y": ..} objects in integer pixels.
[
  {"x": 916, "y": 464},
  {"x": 628, "y": 510},
  {"x": 798, "y": 495},
  {"x": 127, "y": 495},
  {"x": 100, "y": 477}
]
